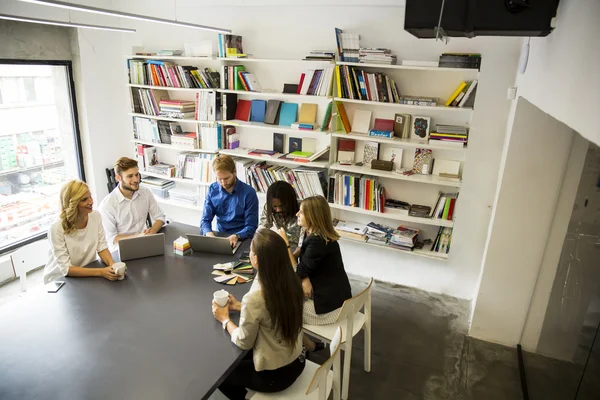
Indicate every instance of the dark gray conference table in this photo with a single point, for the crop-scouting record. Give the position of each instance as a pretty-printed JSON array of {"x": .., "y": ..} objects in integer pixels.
[{"x": 149, "y": 336}]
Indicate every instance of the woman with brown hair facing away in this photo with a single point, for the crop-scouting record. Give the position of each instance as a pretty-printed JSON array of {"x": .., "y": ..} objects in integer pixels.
[
  {"x": 270, "y": 322},
  {"x": 77, "y": 238},
  {"x": 320, "y": 266}
]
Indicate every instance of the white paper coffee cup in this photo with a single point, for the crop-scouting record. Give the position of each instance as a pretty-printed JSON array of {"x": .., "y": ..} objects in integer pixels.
[
  {"x": 120, "y": 268},
  {"x": 221, "y": 297}
]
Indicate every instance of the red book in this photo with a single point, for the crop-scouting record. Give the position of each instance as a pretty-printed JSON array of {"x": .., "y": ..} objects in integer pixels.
[
  {"x": 381, "y": 124},
  {"x": 346, "y": 145},
  {"x": 451, "y": 209},
  {"x": 300, "y": 84},
  {"x": 242, "y": 111},
  {"x": 366, "y": 79}
]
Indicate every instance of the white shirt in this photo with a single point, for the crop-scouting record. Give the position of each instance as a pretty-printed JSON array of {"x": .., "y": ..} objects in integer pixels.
[
  {"x": 256, "y": 332},
  {"x": 122, "y": 216},
  {"x": 78, "y": 248}
]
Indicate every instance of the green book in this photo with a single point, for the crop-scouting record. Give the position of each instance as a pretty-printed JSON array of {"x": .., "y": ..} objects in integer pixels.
[
  {"x": 327, "y": 117},
  {"x": 236, "y": 77},
  {"x": 446, "y": 208},
  {"x": 301, "y": 154}
]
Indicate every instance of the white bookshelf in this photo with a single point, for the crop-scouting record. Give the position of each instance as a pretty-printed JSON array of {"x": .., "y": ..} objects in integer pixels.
[
  {"x": 179, "y": 204},
  {"x": 179, "y": 89},
  {"x": 175, "y": 148},
  {"x": 273, "y": 60},
  {"x": 395, "y": 215},
  {"x": 471, "y": 71},
  {"x": 416, "y": 252},
  {"x": 243, "y": 153},
  {"x": 179, "y": 180},
  {"x": 267, "y": 93},
  {"x": 159, "y": 118},
  {"x": 417, "y": 178},
  {"x": 398, "y": 142},
  {"x": 172, "y": 58},
  {"x": 269, "y": 127},
  {"x": 407, "y": 106}
]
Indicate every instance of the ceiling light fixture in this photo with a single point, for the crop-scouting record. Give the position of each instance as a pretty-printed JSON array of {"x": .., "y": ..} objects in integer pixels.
[
  {"x": 95, "y": 10},
  {"x": 60, "y": 23}
]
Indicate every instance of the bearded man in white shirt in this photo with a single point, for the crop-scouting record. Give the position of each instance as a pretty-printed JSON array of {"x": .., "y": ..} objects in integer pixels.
[{"x": 125, "y": 209}]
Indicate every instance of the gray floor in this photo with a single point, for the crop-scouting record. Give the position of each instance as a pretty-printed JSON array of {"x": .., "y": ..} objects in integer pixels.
[{"x": 421, "y": 351}]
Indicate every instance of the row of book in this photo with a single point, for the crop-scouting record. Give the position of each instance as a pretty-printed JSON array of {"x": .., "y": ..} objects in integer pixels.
[
  {"x": 444, "y": 208},
  {"x": 450, "y": 135},
  {"x": 316, "y": 82},
  {"x": 150, "y": 130},
  {"x": 146, "y": 101},
  {"x": 169, "y": 74},
  {"x": 401, "y": 238},
  {"x": 460, "y": 60},
  {"x": 353, "y": 83},
  {"x": 235, "y": 77},
  {"x": 320, "y": 55},
  {"x": 357, "y": 190},
  {"x": 441, "y": 244},
  {"x": 230, "y": 46},
  {"x": 260, "y": 175},
  {"x": 463, "y": 93},
  {"x": 195, "y": 166},
  {"x": 376, "y": 55}
]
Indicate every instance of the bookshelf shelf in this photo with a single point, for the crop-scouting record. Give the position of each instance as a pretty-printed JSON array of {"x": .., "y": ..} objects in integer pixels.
[
  {"x": 171, "y": 147},
  {"x": 272, "y": 60},
  {"x": 410, "y": 67},
  {"x": 243, "y": 153},
  {"x": 174, "y": 203},
  {"x": 299, "y": 97},
  {"x": 172, "y": 58},
  {"x": 419, "y": 253},
  {"x": 396, "y": 215},
  {"x": 398, "y": 105},
  {"x": 398, "y": 142},
  {"x": 170, "y": 88},
  {"x": 278, "y": 128},
  {"x": 180, "y": 180},
  {"x": 426, "y": 179},
  {"x": 170, "y": 119}
]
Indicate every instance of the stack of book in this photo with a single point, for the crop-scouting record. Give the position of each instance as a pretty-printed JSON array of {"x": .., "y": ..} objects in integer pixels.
[
  {"x": 163, "y": 169},
  {"x": 464, "y": 95},
  {"x": 348, "y": 45},
  {"x": 449, "y": 135},
  {"x": 353, "y": 83},
  {"x": 177, "y": 108},
  {"x": 186, "y": 140},
  {"x": 169, "y": 53},
  {"x": 320, "y": 55},
  {"x": 260, "y": 175},
  {"x": 444, "y": 208},
  {"x": 441, "y": 244},
  {"x": 350, "y": 230},
  {"x": 355, "y": 190},
  {"x": 181, "y": 247},
  {"x": 195, "y": 166},
  {"x": 316, "y": 82},
  {"x": 419, "y": 101},
  {"x": 374, "y": 55},
  {"x": 403, "y": 238},
  {"x": 159, "y": 187},
  {"x": 378, "y": 234},
  {"x": 460, "y": 60}
]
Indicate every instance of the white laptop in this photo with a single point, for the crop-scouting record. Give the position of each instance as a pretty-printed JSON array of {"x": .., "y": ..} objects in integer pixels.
[
  {"x": 209, "y": 244},
  {"x": 142, "y": 246}
]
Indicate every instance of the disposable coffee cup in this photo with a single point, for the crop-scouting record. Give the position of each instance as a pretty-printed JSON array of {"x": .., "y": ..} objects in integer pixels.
[
  {"x": 119, "y": 268},
  {"x": 221, "y": 297}
]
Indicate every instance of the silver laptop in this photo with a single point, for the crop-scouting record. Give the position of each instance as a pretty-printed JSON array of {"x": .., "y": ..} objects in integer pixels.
[
  {"x": 209, "y": 244},
  {"x": 142, "y": 246}
]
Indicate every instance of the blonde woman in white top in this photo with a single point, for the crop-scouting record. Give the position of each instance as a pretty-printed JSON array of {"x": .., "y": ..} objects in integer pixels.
[
  {"x": 77, "y": 237},
  {"x": 270, "y": 322}
]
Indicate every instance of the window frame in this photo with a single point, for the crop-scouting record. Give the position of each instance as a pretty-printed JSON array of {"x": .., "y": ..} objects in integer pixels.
[{"x": 75, "y": 120}]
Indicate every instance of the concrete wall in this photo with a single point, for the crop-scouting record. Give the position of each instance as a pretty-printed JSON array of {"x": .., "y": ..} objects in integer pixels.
[
  {"x": 34, "y": 42},
  {"x": 562, "y": 77},
  {"x": 535, "y": 158}
]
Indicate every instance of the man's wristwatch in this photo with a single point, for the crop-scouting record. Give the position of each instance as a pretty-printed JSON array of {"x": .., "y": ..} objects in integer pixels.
[
  {"x": 225, "y": 324},
  {"x": 238, "y": 237}
]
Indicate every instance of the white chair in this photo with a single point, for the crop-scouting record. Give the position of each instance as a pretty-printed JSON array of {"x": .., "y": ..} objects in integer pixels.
[
  {"x": 353, "y": 321},
  {"x": 313, "y": 377},
  {"x": 28, "y": 258}
]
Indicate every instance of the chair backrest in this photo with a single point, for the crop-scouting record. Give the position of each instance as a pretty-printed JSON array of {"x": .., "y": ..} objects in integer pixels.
[
  {"x": 30, "y": 257},
  {"x": 354, "y": 304},
  {"x": 319, "y": 380}
]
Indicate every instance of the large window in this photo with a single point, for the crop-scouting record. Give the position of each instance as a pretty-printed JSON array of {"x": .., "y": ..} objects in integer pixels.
[{"x": 39, "y": 146}]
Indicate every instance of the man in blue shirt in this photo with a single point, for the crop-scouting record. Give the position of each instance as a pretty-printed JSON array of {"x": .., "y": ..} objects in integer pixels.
[{"x": 233, "y": 202}]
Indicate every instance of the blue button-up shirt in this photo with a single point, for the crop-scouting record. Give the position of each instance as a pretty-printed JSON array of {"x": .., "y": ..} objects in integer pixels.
[{"x": 237, "y": 212}]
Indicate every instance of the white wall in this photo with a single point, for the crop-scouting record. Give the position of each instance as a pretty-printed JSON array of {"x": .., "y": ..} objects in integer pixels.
[
  {"x": 562, "y": 75},
  {"x": 535, "y": 158},
  {"x": 278, "y": 30}
]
